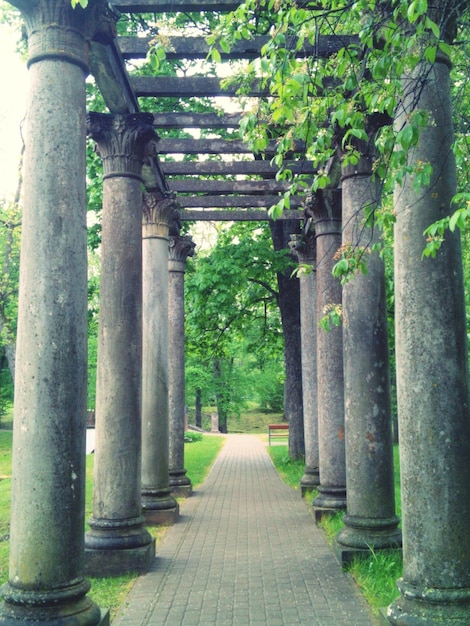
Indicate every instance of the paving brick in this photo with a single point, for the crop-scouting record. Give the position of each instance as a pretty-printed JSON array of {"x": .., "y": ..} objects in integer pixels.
[{"x": 245, "y": 552}]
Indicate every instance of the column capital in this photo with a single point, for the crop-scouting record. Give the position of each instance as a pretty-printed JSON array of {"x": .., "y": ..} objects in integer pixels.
[
  {"x": 304, "y": 247},
  {"x": 122, "y": 141},
  {"x": 364, "y": 147},
  {"x": 179, "y": 249},
  {"x": 159, "y": 213},
  {"x": 325, "y": 207},
  {"x": 57, "y": 31}
]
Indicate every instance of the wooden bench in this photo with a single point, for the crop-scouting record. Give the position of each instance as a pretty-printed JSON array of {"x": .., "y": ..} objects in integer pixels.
[{"x": 277, "y": 431}]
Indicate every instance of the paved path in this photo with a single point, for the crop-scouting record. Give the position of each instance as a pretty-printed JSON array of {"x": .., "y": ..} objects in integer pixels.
[{"x": 245, "y": 552}]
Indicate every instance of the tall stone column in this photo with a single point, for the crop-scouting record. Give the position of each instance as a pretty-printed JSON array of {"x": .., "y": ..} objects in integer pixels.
[
  {"x": 326, "y": 209},
  {"x": 305, "y": 248},
  {"x": 160, "y": 507},
  {"x": 180, "y": 248},
  {"x": 46, "y": 583},
  {"x": 370, "y": 522},
  {"x": 117, "y": 541},
  {"x": 432, "y": 374}
]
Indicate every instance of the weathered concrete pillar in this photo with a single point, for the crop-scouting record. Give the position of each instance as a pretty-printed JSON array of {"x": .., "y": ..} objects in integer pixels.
[
  {"x": 117, "y": 541},
  {"x": 304, "y": 246},
  {"x": 432, "y": 374},
  {"x": 370, "y": 522},
  {"x": 326, "y": 209},
  {"x": 160, "y": 507},
  {"x": 46, "y": 583},
  {"x": 180, "y": 248}
]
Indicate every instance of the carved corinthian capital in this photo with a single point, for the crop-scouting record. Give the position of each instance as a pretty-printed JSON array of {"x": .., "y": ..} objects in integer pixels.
[
  {"x": 56, "y": 31},
  {"x": 326, "y": 209},
  {"x": 158, "y": 213},
  {"x": 121, "y": 141},
  {"x": 304, "y": 247},
  {"x": 179, "y": 249}
]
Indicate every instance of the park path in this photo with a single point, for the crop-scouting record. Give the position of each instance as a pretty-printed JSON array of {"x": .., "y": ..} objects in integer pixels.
[{"x": 245, "y": 551}]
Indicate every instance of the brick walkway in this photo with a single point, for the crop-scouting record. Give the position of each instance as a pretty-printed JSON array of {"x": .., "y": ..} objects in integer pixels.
[{"x": 244, "y": 552}]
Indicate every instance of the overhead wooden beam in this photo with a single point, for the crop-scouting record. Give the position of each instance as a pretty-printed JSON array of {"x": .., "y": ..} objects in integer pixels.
[
  {"x": 219, "y": 187},
  {"x": 235, "y": 215},
  {"x": 174, "y": 6},
  {"x": 111, "y": 78},
  {"x": 196, "y": 120},
  {"x": 235, "y": 202},
  {"x": 215, "y": 146},
  {"x": 197, "y": 47},
  {"x": 224, "y": 168},
  {"x": 188, "y": 86}
]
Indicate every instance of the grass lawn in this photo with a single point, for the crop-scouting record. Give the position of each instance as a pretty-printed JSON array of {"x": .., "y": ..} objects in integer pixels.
[{"x": 106, "y": 592}]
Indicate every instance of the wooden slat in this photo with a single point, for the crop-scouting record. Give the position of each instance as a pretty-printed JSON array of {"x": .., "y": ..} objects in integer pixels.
[
  {"x": 235, "y": 215},
  {"x": 219, "y": 187},
  {"x": 197, "y": 47},
  {"x": 173, "y": 6},
  {"x": 187, "y": 87},
  {"x": 236, "y": 202},
  {"x": 196, "y": 120},
  {"x": 222, "y": 168},
  {"x": 215, "y": 146}
]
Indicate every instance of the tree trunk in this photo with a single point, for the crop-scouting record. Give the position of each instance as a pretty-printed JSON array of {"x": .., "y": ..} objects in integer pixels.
[
  {"x": 220, "y": 400},
  {"x": 289, "y": 306},
  {"x": 198, "y": 410}
]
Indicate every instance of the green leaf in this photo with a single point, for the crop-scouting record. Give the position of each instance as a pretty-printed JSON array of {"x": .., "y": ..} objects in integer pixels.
[
  {"x": 215, "y": 55},
  {"x": 405, "y": 137}
]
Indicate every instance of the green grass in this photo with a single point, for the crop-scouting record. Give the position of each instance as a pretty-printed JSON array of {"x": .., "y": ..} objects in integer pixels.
[
  {"x": 290, "y": 471},
  {"x": 106, "y": 592},
  {"x": 199, "y": 457},
  {"x": 376, "y": 575}
]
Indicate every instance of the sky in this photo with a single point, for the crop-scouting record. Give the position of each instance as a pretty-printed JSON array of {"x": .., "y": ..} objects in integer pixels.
[{"x": 14, "y": 81}]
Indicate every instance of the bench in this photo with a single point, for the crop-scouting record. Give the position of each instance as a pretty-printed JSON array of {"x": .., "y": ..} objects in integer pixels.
[{"x": 277, "y": 431}]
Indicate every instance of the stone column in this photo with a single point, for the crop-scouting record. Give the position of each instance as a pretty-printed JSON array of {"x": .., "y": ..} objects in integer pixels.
[
  {"x": 370, "y": 522},
  {"x": 304, "y": 246},
  {"x": 432, "y": 374},
  {"x": 46, "y": 583},
  {"x": 180, "y": 248},
  {"x": 160, "y": 507},
  {"x": 326, "y": 209},
  {"x": 117, "y": 541}
]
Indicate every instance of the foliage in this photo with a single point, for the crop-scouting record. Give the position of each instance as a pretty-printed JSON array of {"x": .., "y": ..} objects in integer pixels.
[
  {"x": 342, "y": 105},
  {"x": 191, "y": 436},
  {"x": 233, "y": 330}
]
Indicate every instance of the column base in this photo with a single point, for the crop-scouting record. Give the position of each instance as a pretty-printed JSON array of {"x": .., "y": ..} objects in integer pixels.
[
  {"x": 115, "y": 547},
  {"x": 180, "y": 485},
  {"x": 68, "y": 606},
  {"x": 430, "y": 606},
  {"x": 361, "y": 535},
  {"x": 108, "y": 563},
  {"x": 310, "y": 480},
  {"x": 330, "y": 500},
  {"x": 159, "y": 507}
]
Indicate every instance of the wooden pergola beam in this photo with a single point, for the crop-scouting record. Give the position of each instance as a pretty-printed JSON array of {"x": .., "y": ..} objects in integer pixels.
[
  {"x": 225, "y": 168},
  {"x": 189, "y": 87},
  {"x": 175, "y": 6},
  {"x": 235, "y": 202},
  {"x": 216, "y": 146},
  {"x": 196, "y": 120},
  {"x": 198, "y": 48},
  {"x": 235, "y": 215},
  {"x": 220, "y": 187}
]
